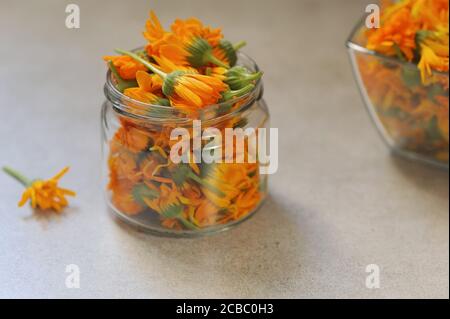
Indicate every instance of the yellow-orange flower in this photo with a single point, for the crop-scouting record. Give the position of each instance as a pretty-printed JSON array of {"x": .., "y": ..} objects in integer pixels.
[
  {"x": 154, "y": 31},
  {"x": 400, "y": 30},
  {"x": 217, "y": 72},
  {"x": 189, "y": 43},
  {"x": 186, "y": 90},
  {"x": 43, "y": 194},
  {"x": 418, "y": 29},
  {"x": 122, "y": 198},
  {"x": 194, "y": 91},
  {"x": 168, "y": 196},
  {"x": 148, "y": 91},
  {"x": 192, "y": 27},
  {"x": 133, "y": 139},
  {"x": 430, "y": 60},
  {"x": 126, "y": 66},
  {"x": 231, "y": 179}
]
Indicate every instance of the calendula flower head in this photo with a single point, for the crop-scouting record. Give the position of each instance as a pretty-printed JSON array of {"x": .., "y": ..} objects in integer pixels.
[
  {"x": 189, "y": 44},
  {"x": 415, "y": 31},
  {"x": 141, "y": 95},
  {"x": 187, "y": 89},
  {"x": 192, "y": 89},
  {"x": 126, "y": 66},
  {"x": 193, "y": 27},
  {"x": 397, "y": 32},
  {"x": 148, "y": 85},
  {"x": 195, "y": 51},
  {"x": 238, "y": 77},
  {"x": 43, "y": 194},
  {"x": 227, "y": 52},
  {"x": 430, "y": 60}
]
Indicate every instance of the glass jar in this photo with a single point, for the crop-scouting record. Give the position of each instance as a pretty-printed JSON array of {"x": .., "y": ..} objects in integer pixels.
[
  {"x": 411, "y": 115},
  {"x": 146, "y": 188}
]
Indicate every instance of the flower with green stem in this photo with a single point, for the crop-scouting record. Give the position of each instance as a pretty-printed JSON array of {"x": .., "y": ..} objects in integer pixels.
[
  {"x": 185, "y": 88},
  {"x": 238, "y": 77},
  {"x": 121, "y": 84},
  {"x": 44, "y": 194},
  {"x": 227, "y": 52}
]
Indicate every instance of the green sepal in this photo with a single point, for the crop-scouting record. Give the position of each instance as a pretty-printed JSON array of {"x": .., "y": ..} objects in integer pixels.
[
  {"x": 432, "y": 130},
  {"x": 200, "y": 54},
  {"x": 397, "y": 113},
  {"x": 421, "y": 35},
  {"x": 183, "y": 172},
  {"x": 238, "y": 77},
  {"x": 230, "y": 94},
  {"x": 141, "y": 191},
  {"x": 411, "y": 76},
  {"x": 162, "y": 102},
  {"x": 224, "y": 108},
  {"x": 199, "y": 50},
  {"x": 176, "y": 211},
  {"x": 172, "y": 211},
  {"x": 436, "y": 89},
  {"x": 170, "y": 81},
  {"x": 230, "y": 53},
  {"x": 399, "y": 53}
]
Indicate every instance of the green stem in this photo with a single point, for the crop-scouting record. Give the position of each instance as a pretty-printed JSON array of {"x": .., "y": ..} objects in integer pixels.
[
  {"x": 246, "y": 89},
  {"x": 255, "y": 76},
  {"x": 239, "y": 45},
  {"x": 211, "y": 58},
  {"x": 18, "y": 176},
  {"x": 206, "y": 184},
  {"x": 143, "y": 61},
  {"x": 228, "y": 95}
]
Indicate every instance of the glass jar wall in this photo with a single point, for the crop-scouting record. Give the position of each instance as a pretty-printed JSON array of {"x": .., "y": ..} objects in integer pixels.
[{"x": 146, "y": 188}]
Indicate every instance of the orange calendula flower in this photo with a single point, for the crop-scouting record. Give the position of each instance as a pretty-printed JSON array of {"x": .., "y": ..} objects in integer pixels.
[
  {"x": 397, "y": 32},
  {"x": 149, "y": 82},
  {"x": 124, "y": 200},
  {"x": 132, "y": 138},
  {"x": 189, "y": 43},
  {"x": 148, "y": 90},
  {"x": 154, "y": 31},
  {"x": 44, "y": 194},
  {"x": 417, "y": 30},
  {"x": 194, "y": 90},
  {"x": 192, "y": 27},
  {"x": 429, "y": 60},
  {"x": 126, "y": 66},
  {"x": 186, "y": 90}
]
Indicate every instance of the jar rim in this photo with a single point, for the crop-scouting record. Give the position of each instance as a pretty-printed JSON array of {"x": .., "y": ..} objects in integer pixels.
[{"x": 127, "y": 105}]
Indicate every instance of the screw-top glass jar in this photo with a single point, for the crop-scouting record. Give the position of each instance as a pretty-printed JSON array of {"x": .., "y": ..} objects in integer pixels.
[{"x": 147, "y": 189}]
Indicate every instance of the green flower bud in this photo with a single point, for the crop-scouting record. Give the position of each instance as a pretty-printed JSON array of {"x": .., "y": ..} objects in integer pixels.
[{"x": 239, "y": 77}]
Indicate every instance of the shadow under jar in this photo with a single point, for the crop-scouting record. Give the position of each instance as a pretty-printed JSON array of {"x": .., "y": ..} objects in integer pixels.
[
  {"x": 412, "y": 116},
  {"x": 148, "y": 190}
]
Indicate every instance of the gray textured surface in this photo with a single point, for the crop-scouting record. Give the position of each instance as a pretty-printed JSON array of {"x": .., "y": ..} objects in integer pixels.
[{"x": 338, "y": 202}]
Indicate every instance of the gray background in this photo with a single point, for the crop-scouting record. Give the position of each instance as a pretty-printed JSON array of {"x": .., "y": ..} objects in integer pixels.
[{"x": 338, "y": 202}]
